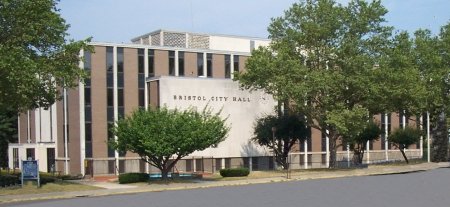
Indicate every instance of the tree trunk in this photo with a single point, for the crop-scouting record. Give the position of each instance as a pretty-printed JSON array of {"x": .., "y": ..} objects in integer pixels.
[
  {"x": 439, "y": 146},
  {"x": 402, "y": 150},
  {"x": 333, "y": 149},
  {"x": 164, "y": 173}
]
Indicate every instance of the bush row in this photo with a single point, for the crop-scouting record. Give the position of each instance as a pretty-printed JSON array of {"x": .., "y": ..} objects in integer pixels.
[
  {"x": 234, "y": 172},
  {"x": 133, "y": 178},
  {"x": 8, "y": 180}
]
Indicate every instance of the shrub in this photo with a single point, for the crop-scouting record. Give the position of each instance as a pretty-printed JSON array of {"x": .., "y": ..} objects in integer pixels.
[
  {"x": 133, "y": 178},
  {"x": 7, "y": 180},
  {"x": 234, "y": 172}
]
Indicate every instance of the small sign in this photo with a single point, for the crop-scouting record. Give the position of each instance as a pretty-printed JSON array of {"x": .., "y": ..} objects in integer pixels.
[{"x": 30, "y": 170}]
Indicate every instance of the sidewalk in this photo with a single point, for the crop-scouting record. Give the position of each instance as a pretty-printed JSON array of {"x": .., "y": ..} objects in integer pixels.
[{"x": 113, "y": 188}]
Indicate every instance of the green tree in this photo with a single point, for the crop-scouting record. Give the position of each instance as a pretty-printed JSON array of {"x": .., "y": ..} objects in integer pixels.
[
  {"x": 280, "y": 133},
  {"x": 324, "y": 57},
  {"x": 8, "y": 133},
  {"x": 402, "y": 138},
  {"x": 162, "y": 136},
  {"x": 36, "y": 59},
  {"x": 356, "y": 129}
]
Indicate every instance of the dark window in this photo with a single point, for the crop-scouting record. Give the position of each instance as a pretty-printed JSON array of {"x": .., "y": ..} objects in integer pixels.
[
  {"x": 121, "y": 112},
  {"x": 109, "y": 59},
  {"x": 236, "y": 63},
  {"x": 141, "y": 80},
  {"x": 87, "y": 96},
  {"x": 120, "y": 80},
  {"x": 180, "y": 63},
  {"x": 87, "y": 60},
  {"x": 120, "y": 65},
  {"x": 110, "y": 113},
  {"x": 172, "y": 63},
  {"x": 111, "y": 152},
  {"x": 87, "y": 113},
  {"x": 255, "y": 163},
  {"x": 151, "y": 63},
  {"x": 227, "y": 66},
  {"x": 200, "y": 64},
  {"x": 209, "y": 66},
  {"x": 88, "y": 132},
  {"x": 141, "y": 63},
  {"x": 109, "y": 79},
  {"x": 88, "y": 149},
  {"x": 15, "y": 158},
  {"x": 30, "y": 153},
  {"x": 110, "y": 96},
  {"x": 141, "y": 97},
  {"x": 120, "y": 100}
]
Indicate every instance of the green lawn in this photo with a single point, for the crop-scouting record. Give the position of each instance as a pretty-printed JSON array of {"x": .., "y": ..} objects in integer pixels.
[{"x": 31, "y": 188}]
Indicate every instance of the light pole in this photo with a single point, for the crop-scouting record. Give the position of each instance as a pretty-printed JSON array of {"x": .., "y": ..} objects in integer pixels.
[{"x": 274, "y": 129}]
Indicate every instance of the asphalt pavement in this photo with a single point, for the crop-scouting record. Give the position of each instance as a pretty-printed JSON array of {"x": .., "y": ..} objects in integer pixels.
[{"x": 373, "y": 186}]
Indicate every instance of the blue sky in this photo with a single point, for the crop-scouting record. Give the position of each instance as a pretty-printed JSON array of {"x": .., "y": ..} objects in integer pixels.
[{"x": 121, "y": 20}]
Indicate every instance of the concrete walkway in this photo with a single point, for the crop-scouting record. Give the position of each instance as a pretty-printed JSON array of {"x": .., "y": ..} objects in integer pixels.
[{"x": 113, "y": 188}]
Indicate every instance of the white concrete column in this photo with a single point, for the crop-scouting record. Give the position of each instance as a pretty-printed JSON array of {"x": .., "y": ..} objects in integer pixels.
[
  {"x": 327, "y": 149},
  {"x": 205, "y": 66},
  {"x": 147, "y": 166},
  {"x": 231, "y": 66},
  {"x": 368, "y": 152},
  {"x": 250, "y": 163},
  {"x": 306, "y": 154},
  {"x": 222, "y": 166},
  {"x": 176, "y": 63},
  {"x": 348, "y": 155},
  {"x": 115, "y": 104},
  {"x": 386, "y": 144},
  {"x": 82, "y": 119},
  {"x": 194, "y": 165},
  {"x": 28, "y": 128},
  {"x": 66, "y": 154}
]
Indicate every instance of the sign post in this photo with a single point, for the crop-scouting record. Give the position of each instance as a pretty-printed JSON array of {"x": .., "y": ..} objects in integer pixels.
[{"x": 30, "y": 171}]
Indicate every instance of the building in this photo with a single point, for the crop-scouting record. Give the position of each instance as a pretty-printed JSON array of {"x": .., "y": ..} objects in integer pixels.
[{"x": 176, "y": 69}]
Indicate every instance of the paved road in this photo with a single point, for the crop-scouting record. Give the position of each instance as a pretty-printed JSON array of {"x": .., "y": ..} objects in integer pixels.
[{"x": 430, "y": 188}]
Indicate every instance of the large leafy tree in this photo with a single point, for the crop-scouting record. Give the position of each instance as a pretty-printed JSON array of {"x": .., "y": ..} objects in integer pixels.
[
  {"x": 323, "y": 58},
  {"x": 8, "y": 133},
  {"x": 161, "y": 136},
  {"x": 36, "y": 59},
  {"x": 280, "y": 134},
  {"x": 35, "y": 56}
]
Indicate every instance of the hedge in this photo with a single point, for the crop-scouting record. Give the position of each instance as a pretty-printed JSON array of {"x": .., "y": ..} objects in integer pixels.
[
  {"x": 234, "y": 172},
  {"x": 8, "y": 180},
  {"x": 133, "y": 178}
]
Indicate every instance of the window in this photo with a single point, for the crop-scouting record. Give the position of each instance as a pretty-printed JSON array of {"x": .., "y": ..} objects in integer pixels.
[
  {"x": 110, "y": 97},
  {"x": 180, "y": 63},
  {"x": 120, "y": 65},
  {"x": 87, "y": 96},
  {"x": 87, "y": 113},
  {"x": 141, "y": 63},
  {"x": 172, "y": 63},
  {"x": 227, "y": 66},
  {"x": 209, "y": 66},
  {"x": 120, "y": 101},
  {"x": 88, "y": 132},
  {"x": 109, "y": 59},
  {"x": 151, "y": 63},
  {"x": 15, "y": 158},
  {"x": 236, "y": 63},
  {"x": 200, "y": 64},
  {"x": 111, "y": 152},
  {"x": 141, "y": 97},
  {"x": 30, "y": 154}
]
